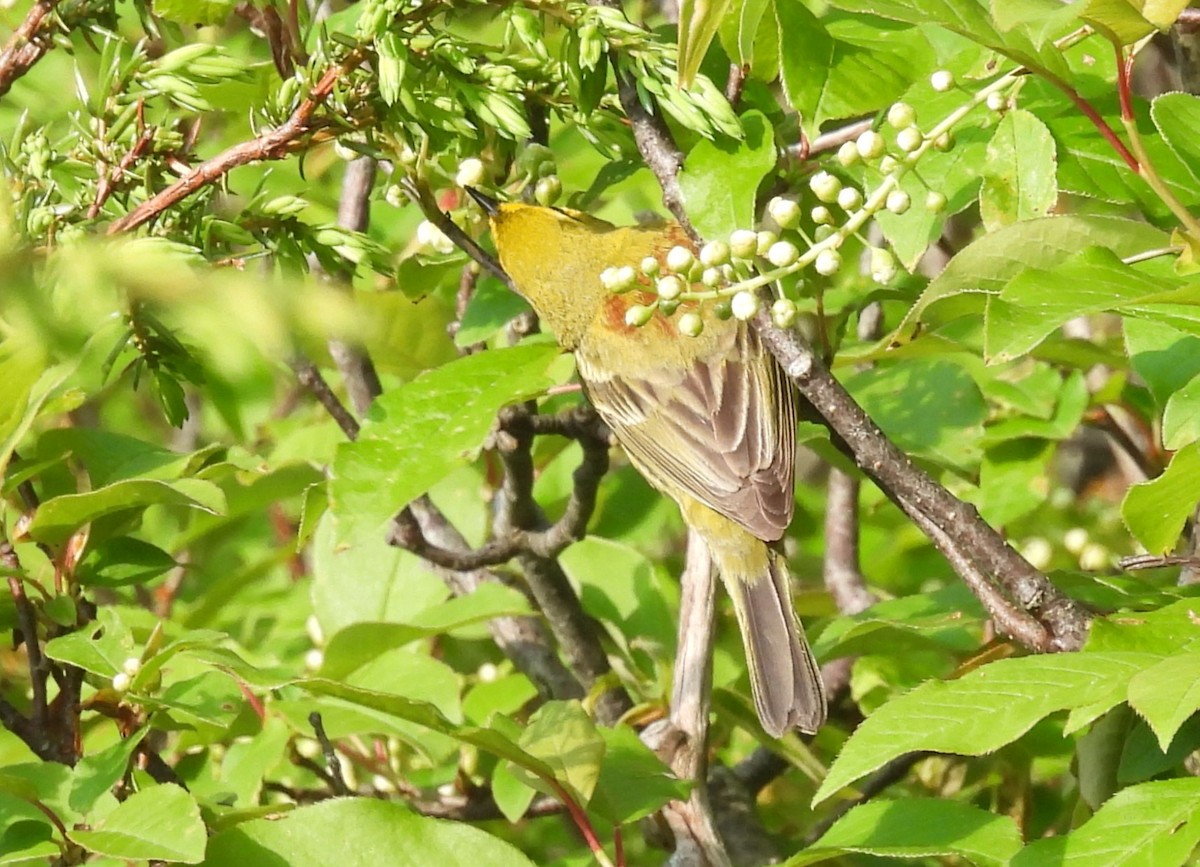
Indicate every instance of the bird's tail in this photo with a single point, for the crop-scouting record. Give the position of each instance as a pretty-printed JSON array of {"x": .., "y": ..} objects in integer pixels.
[{"x": 787, "y": 685}]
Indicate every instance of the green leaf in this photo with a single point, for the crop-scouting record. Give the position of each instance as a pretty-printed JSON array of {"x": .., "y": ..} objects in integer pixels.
[
  {"x": 1167, "y": 358},
  {"x": 1181, "y": 418},
  {"x": 720, "y": 179},
  {"x": 58, "y": 518},
  {"x": 360, "y": 832},
  {"x": 698, "y": 22},
  {"x": 750, "y": 36},
  {"x": 418, "y": 433},
  {"x": 120, "y": 561},
  {"x": 100, "y": 648},
  {"x": 1167, "y": 694},
  {"x": 491, "y": 307},
  {"x": 1019, "y": 173},
  {"x": 1151, "y": 825},
  {"x": 917, "y": 828},
  {"x": 95, "y": 774},
  {"x": 1176, "y": 115},
  {"x": 986, "y": 266},
  {"x": 512, "y": 794},
  {"x": 980, "y": 712},
  {"x": 1155, "y": 511},
  {"x": 946, "y": 424},
  {"x": 195, "y": 11},
  {"x": 1127, "y": 21},
  {"x": 162, "y": 822},
  {"x": 563, "y": 736},
  {"x": 633, "y": 781},
  {"x": 859, "y": 68}
]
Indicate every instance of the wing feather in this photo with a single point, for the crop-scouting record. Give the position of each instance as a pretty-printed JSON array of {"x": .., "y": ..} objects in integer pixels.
[{"x": 723, "y": 432}]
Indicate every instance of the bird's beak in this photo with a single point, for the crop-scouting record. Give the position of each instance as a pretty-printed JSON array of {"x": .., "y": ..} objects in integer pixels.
[{"x": 490, "y": 206}]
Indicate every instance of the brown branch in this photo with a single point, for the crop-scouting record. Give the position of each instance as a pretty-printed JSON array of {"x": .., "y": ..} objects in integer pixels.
[
  {"x": 843, "y": 575},
  {"x": 28, "y": 44},
  {"x": 974, "y": 548},
  {"x": 333, "y": 764},
  {"x": 27, "y": 624},
  {"x": 828, "y": 141},
  {"x": 116, "y": 173},
  {"x": 311, "y": 378},
  {"x": 273, "y": 145}
]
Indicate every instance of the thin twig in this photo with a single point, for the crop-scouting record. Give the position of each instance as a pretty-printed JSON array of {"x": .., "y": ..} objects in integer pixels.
[
  {"x": 311, "y": 378},
  {"x": 108, "y": 183},
  {"x": 890, "y": 774},
  {"x": 272, "y": 145},
  {"x": 332, "y": 762},
  {"x": 28, "y": 44}
]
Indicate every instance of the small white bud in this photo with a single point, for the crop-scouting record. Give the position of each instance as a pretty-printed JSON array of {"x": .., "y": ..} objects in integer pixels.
[
  {"x": 638, "y": 315},
  {"x": 783, "y": 312},
  {"x": 131, "y": 666},
  {"x": 786, "y": 212},
  {"x": 618, "y": 279},
  {"x": 314, "y": 659},
  {"x": 888, "y": 164},
  {"x": 382, "y": 784},
  {"x": 1038, "y": 552},
  {"x": 650, "y": 266},
  {"x": 1094, "y": 557},
  {"x": 711, "y": 277},
  {"x": 848, "y": 154},
  {"x": 821, "y": 215},
  {"x": 680, "y": 259},
  {"x": 744, "y": 305},
  {"x": 690, "y": 324},
  {"x": 828, "y": 262},
  {"x": 849, "y": 199},
  {"x": 900, "y": 115},
  {"x": 898, "y": 201},
  {"x": 407, "y": 156},
  {"x": 909, "y": 139},
  {"x": 942, "y": 80},
  {"x": 743, "y": 244},
  {"x": 470, "y": 172},
  {"x": 669, "y": 288},
  {"x": 121, "y": 681},
  {"x": 488, "y": 672},
  {"x": 935, "y": 202},
  {"x": 870, "y": 145},
  {"x": 765, "y": 240},
  {"x": 312, "y": 625},
  {"x": 782, "y": 254},
  {"x": 825, "y": 186},
  {"x": 882, "y": 265},
  {"x": 394, "y": 196},
  {"x": 714, "y": 253},
  {"x": 944, "y": 142},
  {"x": 1075, "y": 539},
  {"x": 432, "y": 238},
  {"x": 996, "y": 101}
]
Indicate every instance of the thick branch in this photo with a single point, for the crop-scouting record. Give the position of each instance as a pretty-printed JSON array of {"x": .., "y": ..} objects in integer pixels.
[{"x": 973, "y": 547}]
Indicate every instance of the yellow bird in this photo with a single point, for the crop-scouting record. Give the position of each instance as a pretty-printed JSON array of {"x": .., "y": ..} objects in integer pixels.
[{"x": 708, "y": 420}]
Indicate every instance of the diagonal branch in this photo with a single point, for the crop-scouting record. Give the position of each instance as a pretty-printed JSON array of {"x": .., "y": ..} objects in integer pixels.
[{"x": 28, "y": 44}]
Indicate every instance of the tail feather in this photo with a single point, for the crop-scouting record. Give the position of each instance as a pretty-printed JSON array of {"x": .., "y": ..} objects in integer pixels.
[{"x": 787, "y": 685}]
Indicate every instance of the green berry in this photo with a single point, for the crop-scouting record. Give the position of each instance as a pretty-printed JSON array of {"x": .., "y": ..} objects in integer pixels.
[
  {"x": 714, "y": 253},
  {"x": 649, "y": 266},
  {"x": 882, "y": 265},
  {"x": 848, "y": 154},
  {"x": 935, "y": 202},
  {"x": 638, "y": 315},
  {"x": 765, "y": 240},
  {"x": 547, "y": 190},
  {"x": 690, "y": 324},
  {"x": 821, "y": 215}
]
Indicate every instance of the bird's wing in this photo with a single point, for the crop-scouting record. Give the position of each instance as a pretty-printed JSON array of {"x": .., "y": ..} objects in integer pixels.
[{"x": 723, "y": 431}]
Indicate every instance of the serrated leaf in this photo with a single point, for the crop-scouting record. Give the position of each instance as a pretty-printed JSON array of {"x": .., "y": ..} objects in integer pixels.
[
  {"x": 563, "y": 736},
  {"x": 917, "y": 828},
  {"x": 720, "y": 179},
  {"x": 162, "y": 822},
  {"x": 980, "y": 712},
  {"x": 1127, "y": 21},
  {"x": 1019, "y": 172},
  {"x": 95, "y": 774},
  {"x": 1177, "y": 116},
  {"x": 1167, "y": 694},
  {"x": 417, "y": 434},
  {"x": 1181, "y": 417},
  {"x": 633, "y": 781},
  {"x": 122, "y": 560},
  {"x": 1155, "y": 511},
  {"x": 1151, "y": 825}
]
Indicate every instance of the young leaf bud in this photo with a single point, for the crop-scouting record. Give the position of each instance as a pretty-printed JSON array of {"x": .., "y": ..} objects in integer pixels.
[
  {"x": 898, "y": 201},
  {"x": 786, "y": 212},
  {"x": 942, "y": 80},
  {"x": 825, "y": 186},
  {"x": 828, "y": 262},
  {"x": 743, "y": 244},
  {"x": 680, "y": 260},
  {"x": 121, "y": 681},
  {"x": 669, "y": 288},
  {"x": 714, "y": 253},
  {"x": 744, "y": 305},
  {"x": 547, "y": 190},
  {"x": 781, "y": 254},
  {"x": 638, "y": 315},
  {"x": 909, "y": 139},
  {"x": 870, "y": 145},
  {"x": 849, "y": 198},
  {"x": 935, "y": 202},
  {"x": 900, "y": 115},
  {"x": 783, "y": 312},
  {"x": 690, "y": 324}
]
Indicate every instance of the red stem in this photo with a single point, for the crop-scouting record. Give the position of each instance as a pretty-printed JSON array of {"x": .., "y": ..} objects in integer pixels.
[
  {"x": 1124, "y": 89},
  {"x": 578, "y": 816},
  {"x": 1094, "y": 116},
  {"x": 618, "y": 847}
]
